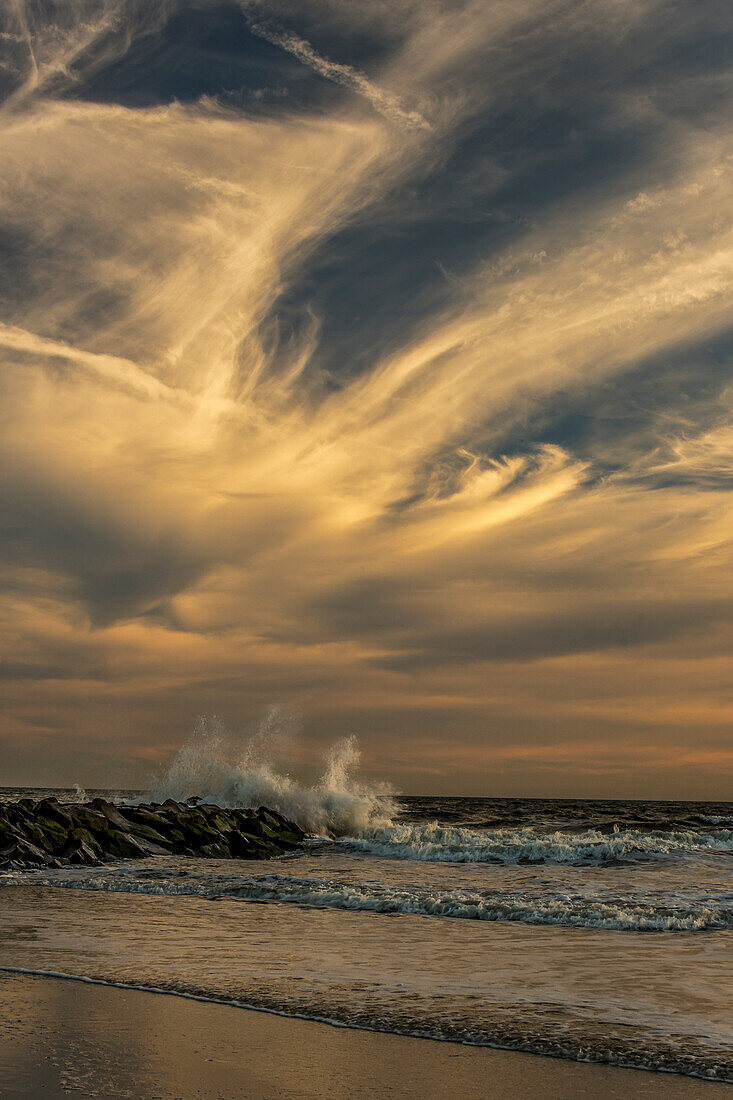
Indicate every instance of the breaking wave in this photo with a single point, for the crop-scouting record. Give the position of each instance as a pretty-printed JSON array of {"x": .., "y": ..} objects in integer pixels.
[
  {"x": 361, "y": 816},
  {"x": 212, "y": 767},
  {"x": 617, "y": 914},
  {"x": 452, "y": 844}
]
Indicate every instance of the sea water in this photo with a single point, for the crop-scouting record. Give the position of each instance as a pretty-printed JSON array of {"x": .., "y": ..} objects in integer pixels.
[{"x": 586, "y": 929}]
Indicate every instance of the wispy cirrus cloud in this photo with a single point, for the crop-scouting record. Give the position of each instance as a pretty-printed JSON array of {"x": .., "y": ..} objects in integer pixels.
[
  {"x": 385, "y": 103},
  {"x": 286, "y": 391}
]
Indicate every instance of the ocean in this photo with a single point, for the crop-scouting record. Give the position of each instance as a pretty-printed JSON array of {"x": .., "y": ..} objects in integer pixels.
[{"x": 600, "y": 931}]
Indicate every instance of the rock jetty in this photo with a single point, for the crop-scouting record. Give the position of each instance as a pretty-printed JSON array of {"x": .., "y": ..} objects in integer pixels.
[{"x": 53, "y": 834}]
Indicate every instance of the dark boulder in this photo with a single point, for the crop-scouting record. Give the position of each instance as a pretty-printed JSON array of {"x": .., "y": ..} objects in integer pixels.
[
  {"x": 89, "y": 819},
  {"x": 110, "y": 812},
  {"x": 241, "y": 847},
  {"x": 22, "y": 851},
  {"x": 52, "y": 809},
  {"x": 123, "y": 845},
  {"x": 80, "y": 854},
  {"x": 277, "y": 822},
  {"x": 36, "y": 835},
  {"x": 49, "y": 834},
  {"x": 54, "y": 832},
  {"x": 82, "y": 837},
  {"x": 217, "y": 850}
]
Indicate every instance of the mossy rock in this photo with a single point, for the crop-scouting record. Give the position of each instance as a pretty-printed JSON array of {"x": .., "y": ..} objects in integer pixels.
[
  {"x": 32, "y": 834},
  {"x": 123, "y": 845},
  {"x": 289, "y": 839},
  {"x": 111, "y": 812},
  {"x": 264, "y": 849},
  {"x": 92, "y": 820},
  {"x": 144, "y": 832},
  {"x": 196, "y": 830},
  {"x": 55, "y": 832},
  {"x": 83, "y": 837},
  {"x": 216, "y": 851},
  {"x": 142, "y": 816},
  {"x": 188, "y": 819},
  {"x": 51, "y": 808},
  {"x": 252, "y": 826},
  {"x": 278, "y": 822},
  {"x": 38, "y": 837},
  {"x": 201, "y": 834}
]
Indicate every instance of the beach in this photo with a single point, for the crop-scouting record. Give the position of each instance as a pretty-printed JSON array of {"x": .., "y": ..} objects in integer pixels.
[
  {"x": 61, "y": 1038},
  {"x": 532, "y": 944}
]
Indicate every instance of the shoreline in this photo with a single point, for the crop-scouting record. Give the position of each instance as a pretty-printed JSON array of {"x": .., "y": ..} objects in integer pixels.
[
  {"x": 325, "y": 1021},
  {"x": 287, "y": 962},
  {"x": 201, "y": 1048}
]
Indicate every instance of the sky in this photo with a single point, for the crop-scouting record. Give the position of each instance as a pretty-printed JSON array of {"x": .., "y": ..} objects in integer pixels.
[{"x": 368, "y": 364}]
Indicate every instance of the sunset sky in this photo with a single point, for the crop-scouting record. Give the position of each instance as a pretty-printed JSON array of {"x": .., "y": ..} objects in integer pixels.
[{"x": 369, "y": 360}]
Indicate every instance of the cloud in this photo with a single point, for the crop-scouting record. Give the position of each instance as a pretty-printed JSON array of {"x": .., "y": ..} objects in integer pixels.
[
  {"x": 382, "y": 101},
  {"x": 46, "y": 43},
  {"x": 527, "y": 637},
  {"x": 365, "y": 503}
]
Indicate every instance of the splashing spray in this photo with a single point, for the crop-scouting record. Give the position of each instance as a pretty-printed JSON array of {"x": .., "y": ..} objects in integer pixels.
[{"x": 336, "y": 805}]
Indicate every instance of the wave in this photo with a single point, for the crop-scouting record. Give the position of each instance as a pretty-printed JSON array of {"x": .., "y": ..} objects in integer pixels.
[
  {"x": 618, "y": 914},
  {"x": 452, "y": 844},
  {"x": 211, "y": 766},
  {"x": 519, "y": 1028}
]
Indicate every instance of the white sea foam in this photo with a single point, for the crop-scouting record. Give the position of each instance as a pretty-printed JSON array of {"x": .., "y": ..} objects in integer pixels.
[
  {"x": 452, "y": 844},
  {"x": 211, "y": 766},
  {"x": 215, "y": 767},
  {"x": 624, "y": 914}
]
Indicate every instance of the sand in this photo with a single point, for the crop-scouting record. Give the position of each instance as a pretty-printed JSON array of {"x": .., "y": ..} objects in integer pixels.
[{"x": 61, "y": 1038}]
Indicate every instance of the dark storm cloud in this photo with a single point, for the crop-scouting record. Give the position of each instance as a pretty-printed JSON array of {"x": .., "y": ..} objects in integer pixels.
[
  {"x": 583, "y": 630},
  {"x": 115, "y": 570},
  {"x": 365, "y": 607}
]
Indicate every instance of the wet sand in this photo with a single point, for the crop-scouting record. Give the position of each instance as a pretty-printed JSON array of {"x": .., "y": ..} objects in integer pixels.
[{"x": 61, "y": 1038}]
